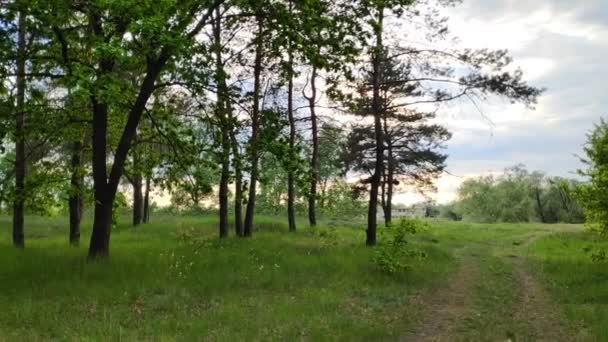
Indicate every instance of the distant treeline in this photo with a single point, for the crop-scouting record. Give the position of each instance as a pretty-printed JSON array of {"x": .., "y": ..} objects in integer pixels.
[{"x": 516, "y": 196}]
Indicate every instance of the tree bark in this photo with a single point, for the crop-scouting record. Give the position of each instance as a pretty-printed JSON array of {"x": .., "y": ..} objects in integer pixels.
[
  {"x": 221, "y": 113},
  {"x": 75, "y": 201},
  {"x": 291, "y": 193},
  {"x": 390, "y": 179},
  {"x": 254, "y": 153},
  {"x": 105, "y": 187},
  {"x": 314, "y": 160},
  {"x": 390, "y": 176},
  {"x": 147, "y": 201},
  {"x": 376, "y": 177},
  {"x": 238, "y": 185},
  {"x": 20, "y": 162},
  {"x": 137, "y": 183},
  {"x": 383, "y": 195},
  {"x": 138, "y": 200}
]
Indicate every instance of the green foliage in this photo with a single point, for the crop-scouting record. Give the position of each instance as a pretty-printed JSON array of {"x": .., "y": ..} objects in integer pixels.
[
  {"x": 599, "y": 255},
  {"x": 327, "y": 237},
  {"x": 518, "y": 196},
  {"x": 120, "y": 202},
  {"x": 156, "y": 285},
  {"x": 394, "y": 254},
  {"x": 593, "y": 195},
  {"x": 574, "y": 268},
  {"x": 339, "y": 199}
]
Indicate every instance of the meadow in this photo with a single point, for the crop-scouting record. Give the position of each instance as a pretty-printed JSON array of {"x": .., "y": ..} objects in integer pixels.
[{"x": 174, "y": 280}]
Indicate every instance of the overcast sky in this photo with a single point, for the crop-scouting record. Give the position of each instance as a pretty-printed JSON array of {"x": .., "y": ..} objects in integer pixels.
[{"x": 561, "y": 45}]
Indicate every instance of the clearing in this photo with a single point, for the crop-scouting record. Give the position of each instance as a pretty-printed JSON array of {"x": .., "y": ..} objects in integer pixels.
[{"x": 173, "y": 280}]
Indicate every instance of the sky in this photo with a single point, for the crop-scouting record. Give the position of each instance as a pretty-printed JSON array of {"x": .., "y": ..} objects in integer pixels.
[{"x": 561, "y": 45}]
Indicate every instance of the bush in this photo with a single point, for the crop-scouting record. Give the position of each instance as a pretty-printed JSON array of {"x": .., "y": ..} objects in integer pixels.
[{"x": 393, "y": 253}]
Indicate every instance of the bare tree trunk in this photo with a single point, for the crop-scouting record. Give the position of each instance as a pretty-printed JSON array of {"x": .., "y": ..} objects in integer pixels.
[
  {"x": 314, "y": 160},
  {"x": 137, "y": 183},
  {"x": 254, "y": 153},
  {"x": 376, "y": 177},
  {"x": 75, "y": 201},
  {"x": 222, "y": 95},
  {"x": 238, "y": 186},
  {"x": 20, "y": 162},
  {"x": 390, "y": 178},
  {"x": 147, "y": 201},
  {"x": 104, "y": 199},
  {"x": 138, "y": 200},
  {"x": 291, "y": 193},
  {"x": 383, "y": 196}
]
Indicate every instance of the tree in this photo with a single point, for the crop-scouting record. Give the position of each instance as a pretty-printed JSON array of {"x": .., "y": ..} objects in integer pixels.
[
  {"x": 593, "y": 195},
  {"x": 518, "y": 196},
  {"x": 254, "y": 144},
  {"x": 20, "y": 161},
  {"x": 481, "y": 73},
  {"x": 151, "y": 46},
  {"x": 411, "y": 144}
]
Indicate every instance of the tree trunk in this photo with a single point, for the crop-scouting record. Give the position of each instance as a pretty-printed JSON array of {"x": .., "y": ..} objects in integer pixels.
[
  {"x": 221, "y": 114},
  {"x": 104, "y": 199},
  {"x": 75, "y": 201},
  {"x": 105, "y": 187},
  {"x": 383, "y": 195},
  {"x": 376, "y": 178},
  {"x": 147, "y": 201},
  {"x": 102, "y": 225},
  {"x": 137, "y": 183},
  {"x": 390, "y": 176},
  {"x": 20, "y": 162},
  {"x": 314, "y": 160},
  {"x": 254, "y": 153},
  {"x": 539, "y": 203},
  {"x": 291, "y": 192},
  {"x": 238, "y": 186},
  {"x": 138, "y": 201},
  {"x": 389, "y": 191}
]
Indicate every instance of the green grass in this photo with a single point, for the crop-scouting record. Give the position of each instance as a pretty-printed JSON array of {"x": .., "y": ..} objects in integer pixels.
[
  {"x": 174, "y": 280},
  {"x": 578, "y": 284},
  {"x": 158, "y": 284}
]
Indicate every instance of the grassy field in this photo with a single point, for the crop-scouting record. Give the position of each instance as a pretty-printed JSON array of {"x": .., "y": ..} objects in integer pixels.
[
  {"x": 581, "y": 286},
  {"x": 173, "y": 280}
]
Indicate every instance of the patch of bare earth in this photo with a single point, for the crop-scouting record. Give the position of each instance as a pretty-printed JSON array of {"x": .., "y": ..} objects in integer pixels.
[
  {"x": 446, "y": 305},
  {"x": 536, "y": 316}
]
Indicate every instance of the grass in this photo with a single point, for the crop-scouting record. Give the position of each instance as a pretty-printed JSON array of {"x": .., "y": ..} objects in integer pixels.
[
  {"x": 578, "y": 284},
  {"x": 172, "y": 280}
]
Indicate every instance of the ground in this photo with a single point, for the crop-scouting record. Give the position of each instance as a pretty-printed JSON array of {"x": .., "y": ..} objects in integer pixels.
[{"x": 173, "y": 280}]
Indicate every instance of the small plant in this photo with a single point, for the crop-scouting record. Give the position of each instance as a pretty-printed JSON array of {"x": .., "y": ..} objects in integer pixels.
[
  {"x": 328, "y": 237},
  {"x": 179, "y": 265},
  {"x": 193, "y": 237},
  {"x": 393, "y": 254},
  {"x": 599, "y": 255}
]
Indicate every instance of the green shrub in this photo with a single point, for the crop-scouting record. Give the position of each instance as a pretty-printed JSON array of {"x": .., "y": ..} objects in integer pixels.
[{"x": 393, "y": 253}]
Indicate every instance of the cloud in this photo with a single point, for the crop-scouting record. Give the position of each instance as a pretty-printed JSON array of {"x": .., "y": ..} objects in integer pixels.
[{"x": 560, "y": 45}]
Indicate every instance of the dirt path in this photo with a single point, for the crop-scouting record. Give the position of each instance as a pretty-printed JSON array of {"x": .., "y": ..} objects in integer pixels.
[
  {"x": 445, "y": 306},
  {"x": 530, "y": 316},
  {"x": 536, "y": 316}
]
